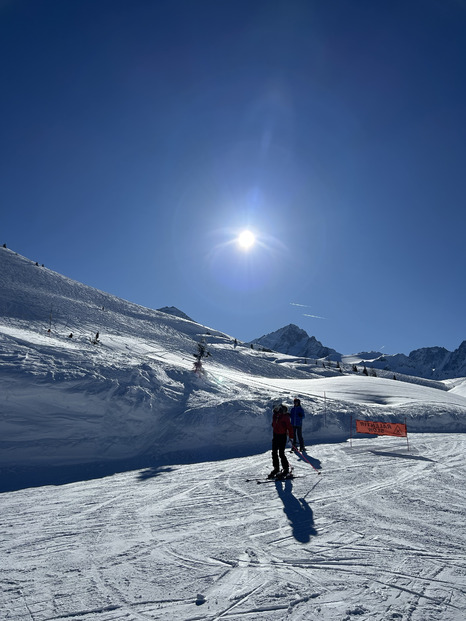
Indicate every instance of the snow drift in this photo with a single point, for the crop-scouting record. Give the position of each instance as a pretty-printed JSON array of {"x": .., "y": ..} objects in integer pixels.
[{"x": 131, "y": 394}]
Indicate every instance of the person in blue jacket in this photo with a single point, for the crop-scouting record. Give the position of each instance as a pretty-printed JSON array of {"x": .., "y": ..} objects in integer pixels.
[{"x": 297, "y": 415}]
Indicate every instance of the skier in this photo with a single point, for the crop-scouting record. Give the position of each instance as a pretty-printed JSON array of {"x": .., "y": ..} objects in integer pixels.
[
  {"x": 297, "y": 415},
  {"x": 281, "y": 425}
]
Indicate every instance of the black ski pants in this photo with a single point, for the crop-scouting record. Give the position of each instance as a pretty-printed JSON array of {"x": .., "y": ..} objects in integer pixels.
[
  {"x": 298, "y": 436},
  {"x": 278, "y": 450}
]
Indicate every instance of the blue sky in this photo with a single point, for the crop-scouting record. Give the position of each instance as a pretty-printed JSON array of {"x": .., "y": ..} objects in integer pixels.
[{"x": 140, "y": 137}]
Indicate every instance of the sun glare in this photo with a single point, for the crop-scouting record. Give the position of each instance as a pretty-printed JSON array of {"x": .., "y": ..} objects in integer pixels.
[{"x": 246, "y": 240}]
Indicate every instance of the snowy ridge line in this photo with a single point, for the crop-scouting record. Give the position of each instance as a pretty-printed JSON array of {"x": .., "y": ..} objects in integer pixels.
[
  {"x": 134, "y": 396},
  {"x": 262, "y": 383},
  {"x": 434, "y": 364}
]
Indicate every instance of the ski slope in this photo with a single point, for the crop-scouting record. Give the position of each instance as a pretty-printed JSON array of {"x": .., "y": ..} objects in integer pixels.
[
  {"x": 123, "y": 475},
  {"x": 379, "y": 535}
]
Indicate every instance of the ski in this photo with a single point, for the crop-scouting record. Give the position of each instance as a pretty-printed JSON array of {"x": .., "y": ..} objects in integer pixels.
[
  {"x": 260, "y": 481},
  {"x": 277, "y": 479},
  {"x": 288, "y": 477}
]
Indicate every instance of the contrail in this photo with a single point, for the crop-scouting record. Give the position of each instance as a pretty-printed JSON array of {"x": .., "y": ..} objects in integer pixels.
[
  {"x": 313, "y": 316},
  {"x": 305, "y": 314}
]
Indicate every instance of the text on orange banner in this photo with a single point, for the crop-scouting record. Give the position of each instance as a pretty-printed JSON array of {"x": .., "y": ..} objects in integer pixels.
[{"x": 381, "y": 429}]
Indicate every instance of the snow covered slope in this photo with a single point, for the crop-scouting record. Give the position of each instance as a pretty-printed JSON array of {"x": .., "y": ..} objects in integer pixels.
[
  {"x": 133, "y": 395},
  {"x": 379, "y": 536}
]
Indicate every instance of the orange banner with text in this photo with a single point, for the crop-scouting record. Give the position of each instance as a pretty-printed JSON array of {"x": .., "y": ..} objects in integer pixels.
[{"x": 381, "y": 429}]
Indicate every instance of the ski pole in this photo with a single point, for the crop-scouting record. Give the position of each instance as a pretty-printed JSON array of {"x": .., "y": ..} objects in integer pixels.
[{"x": 306, "y": 459}]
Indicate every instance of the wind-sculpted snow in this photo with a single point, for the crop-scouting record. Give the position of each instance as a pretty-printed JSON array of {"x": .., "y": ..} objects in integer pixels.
[{"x": 132, "y": 394}]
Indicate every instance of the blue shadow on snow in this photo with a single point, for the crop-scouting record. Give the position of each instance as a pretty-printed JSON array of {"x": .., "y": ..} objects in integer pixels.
[
  {"x": 298, "y": 512},
  {"x": 403, "y": 455}
]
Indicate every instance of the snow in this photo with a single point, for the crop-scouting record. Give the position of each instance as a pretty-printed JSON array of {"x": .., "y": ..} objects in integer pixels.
[
  {"x": 124, "y": 475},
  {"x": 380, "y": 535},
  {"x": 457, "y": 387}
]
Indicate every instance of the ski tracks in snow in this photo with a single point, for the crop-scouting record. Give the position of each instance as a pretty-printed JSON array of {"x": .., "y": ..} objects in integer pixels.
[{"x": 380, "y": 535}]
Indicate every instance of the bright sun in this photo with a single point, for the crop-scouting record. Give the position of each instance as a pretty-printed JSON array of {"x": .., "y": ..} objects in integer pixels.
[{"x": 246, "y": 240}]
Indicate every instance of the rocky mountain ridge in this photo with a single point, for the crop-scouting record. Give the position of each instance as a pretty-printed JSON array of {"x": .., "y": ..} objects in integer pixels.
[
  {"x": 295, "y": 341},
  {"x": 427, "y": 362}
]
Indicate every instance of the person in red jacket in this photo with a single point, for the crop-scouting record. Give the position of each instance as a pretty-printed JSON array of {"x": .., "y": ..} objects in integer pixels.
[{"x": 282, "y": 427}]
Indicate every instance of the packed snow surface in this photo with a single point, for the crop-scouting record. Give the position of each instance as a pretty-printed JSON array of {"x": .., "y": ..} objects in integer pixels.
[
  {"x": 380, "y": 534},
  {"x": 179, "y": 529}
]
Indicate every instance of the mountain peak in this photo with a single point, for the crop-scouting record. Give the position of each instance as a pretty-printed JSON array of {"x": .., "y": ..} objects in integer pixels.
[
  {"x": 295, "y": 341},
  {"x": 172, "y": 310}
]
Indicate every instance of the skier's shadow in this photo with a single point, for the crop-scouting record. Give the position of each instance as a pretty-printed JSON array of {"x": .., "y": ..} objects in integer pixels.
[
  {"x": 310, "y": 460},
  {"x": 150, "y": 473},
  {"x": 298, "y": 512}
]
